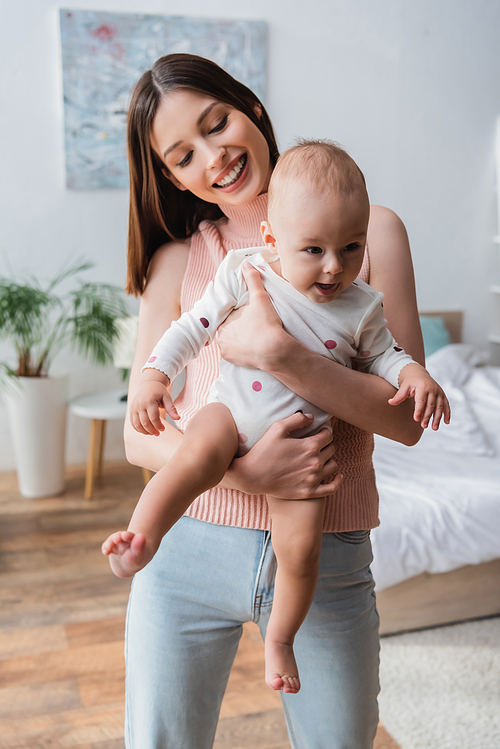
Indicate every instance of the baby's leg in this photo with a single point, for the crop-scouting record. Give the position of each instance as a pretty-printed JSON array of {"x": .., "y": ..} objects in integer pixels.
[
  {"x": 210, "y": 442},
  {"x": 297, "y": 532}
]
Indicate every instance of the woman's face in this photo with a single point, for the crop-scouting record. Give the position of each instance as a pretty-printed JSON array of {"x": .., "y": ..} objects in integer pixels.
[{"x": 210, "y": 148}]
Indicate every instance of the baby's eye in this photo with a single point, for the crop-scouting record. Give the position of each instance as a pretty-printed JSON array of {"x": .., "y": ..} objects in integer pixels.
[
  {"x": 351, "y": 247},
  {"x": 185, "y": 161},
  {"x": 220, "y": 125},
  {"x": 314, "y": 250}
]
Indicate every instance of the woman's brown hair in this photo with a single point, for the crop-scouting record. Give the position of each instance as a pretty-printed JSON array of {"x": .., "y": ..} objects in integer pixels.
[{"x": 159, "y": 212}]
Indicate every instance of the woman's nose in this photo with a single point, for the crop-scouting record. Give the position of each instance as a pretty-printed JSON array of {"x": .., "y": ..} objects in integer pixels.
[{"x": 215, "y": 156}]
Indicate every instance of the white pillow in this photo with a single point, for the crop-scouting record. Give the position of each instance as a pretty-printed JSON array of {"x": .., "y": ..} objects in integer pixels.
[
  {"x": 454, "y": 363},
  {"x": 452, "y": 366},
  {"x": 463, "y": 434}
]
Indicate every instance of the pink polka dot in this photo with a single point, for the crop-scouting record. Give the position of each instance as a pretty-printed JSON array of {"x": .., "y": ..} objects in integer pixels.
[
  {"x": 397, "y": 348},
  {"x": 151, "y": 359},
  {"x": 257, "y": 386},
  {"x": 364, "y": 353},
  {"x": 331, "y": 344},
  {"x": 242, "y": 437},
  {"x": 204, "y": 322}
]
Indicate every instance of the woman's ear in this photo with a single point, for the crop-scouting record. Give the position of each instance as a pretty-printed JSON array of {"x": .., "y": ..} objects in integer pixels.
[
  {"x": 258, "y": 110},
  {"x": 268, "y": 237},
  {"x": 173, "y": 180}
]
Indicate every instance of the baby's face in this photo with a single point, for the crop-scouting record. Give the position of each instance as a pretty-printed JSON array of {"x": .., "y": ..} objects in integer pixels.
[{"x": 320, "y": 240}]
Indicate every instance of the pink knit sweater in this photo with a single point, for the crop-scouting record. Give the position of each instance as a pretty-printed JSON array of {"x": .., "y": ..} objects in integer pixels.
[{"x": 355, "y": 505}]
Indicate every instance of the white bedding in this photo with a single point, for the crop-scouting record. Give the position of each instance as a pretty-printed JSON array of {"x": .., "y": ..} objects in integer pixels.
[{"x": 440, "y": 500}]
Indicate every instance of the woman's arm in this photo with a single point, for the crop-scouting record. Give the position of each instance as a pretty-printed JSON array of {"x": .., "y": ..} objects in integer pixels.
[
  {"x": 278, "y": 462},
  {"x": 391, "y": 272},
  {"x": 358, "y": 398},
  {"x": 160, "y": 306}
]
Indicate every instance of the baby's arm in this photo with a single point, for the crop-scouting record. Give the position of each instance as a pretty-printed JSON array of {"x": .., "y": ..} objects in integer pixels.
[
  {"x": 380, "y": 354},
  {"x": 430, "y": 399},
  {"x": 182, "y": 342}
]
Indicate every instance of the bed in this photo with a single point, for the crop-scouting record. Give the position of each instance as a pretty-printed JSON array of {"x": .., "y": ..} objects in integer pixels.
[{"x": 437, "y": 549}]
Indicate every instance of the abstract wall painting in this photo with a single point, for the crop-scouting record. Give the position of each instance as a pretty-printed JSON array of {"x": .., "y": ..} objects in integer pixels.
[{"x": 103, "y": 56}]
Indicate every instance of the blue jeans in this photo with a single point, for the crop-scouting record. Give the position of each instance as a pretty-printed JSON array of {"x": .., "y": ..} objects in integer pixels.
[{"x": 184, "y": 623}]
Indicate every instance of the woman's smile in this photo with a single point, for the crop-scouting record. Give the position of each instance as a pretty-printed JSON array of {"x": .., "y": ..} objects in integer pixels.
[{"x": 234, "y": 173}]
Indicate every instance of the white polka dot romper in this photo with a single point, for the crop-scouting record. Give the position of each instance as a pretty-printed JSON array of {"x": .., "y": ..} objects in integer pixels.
[{"x": 350, "y": 329}]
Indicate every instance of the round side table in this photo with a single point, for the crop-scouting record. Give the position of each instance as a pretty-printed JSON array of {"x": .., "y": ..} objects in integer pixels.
[{"x": 100, "y": 408}]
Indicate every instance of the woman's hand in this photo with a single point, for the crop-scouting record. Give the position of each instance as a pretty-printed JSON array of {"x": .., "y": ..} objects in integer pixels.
[
  {"x": 251, "y": 334},
  {"x": 287, "y": 467}
]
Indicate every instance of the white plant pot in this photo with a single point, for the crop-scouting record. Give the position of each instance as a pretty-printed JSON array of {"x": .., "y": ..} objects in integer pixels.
[{"x": 37, "y": 415}]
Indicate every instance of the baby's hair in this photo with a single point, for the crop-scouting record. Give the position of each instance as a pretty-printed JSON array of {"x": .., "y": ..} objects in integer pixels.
[{"x": 318, "y": 164}]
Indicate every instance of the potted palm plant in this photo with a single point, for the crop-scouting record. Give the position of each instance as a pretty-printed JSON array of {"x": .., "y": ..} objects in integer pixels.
[{"x": 38, "y": 321}]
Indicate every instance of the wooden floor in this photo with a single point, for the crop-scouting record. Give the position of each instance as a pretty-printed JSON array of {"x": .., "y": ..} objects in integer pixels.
[{"x": 62, "y": 622}]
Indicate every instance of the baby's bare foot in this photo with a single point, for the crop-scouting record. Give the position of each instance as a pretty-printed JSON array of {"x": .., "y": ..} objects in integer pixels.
[
  {"x": 127, "y": 553},
  {"x": 281, "y": 668}
]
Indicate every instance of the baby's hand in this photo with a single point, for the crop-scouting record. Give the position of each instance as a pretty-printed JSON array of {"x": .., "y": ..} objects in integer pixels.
[
  {"x": 145, "y": 407},
  {"x": 430, "y": 399}
]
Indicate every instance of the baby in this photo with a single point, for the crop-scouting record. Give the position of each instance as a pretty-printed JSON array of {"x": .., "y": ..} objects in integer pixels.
[{"x": 314, "y": 246}]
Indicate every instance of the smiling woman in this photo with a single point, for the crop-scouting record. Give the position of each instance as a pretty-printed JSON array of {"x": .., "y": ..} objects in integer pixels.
[
  {"x": 190, "y": 126},
  {"x": 201, "y": 152}
]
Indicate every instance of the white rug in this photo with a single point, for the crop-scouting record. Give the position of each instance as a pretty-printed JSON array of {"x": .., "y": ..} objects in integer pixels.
[{"x": 441, "y": 687}]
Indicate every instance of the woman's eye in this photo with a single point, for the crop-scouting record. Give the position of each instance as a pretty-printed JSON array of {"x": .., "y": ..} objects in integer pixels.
[
  {"x": 185, "y": 161},
  {"x": 314, "y": 250},
  {"x": 351, "y": 247},
  {"x": 220, "y": 125}
]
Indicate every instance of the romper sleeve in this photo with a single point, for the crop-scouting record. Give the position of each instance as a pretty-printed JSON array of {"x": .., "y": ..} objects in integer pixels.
[
  {"x": 378, "y": 352},
  {"x": 186, "y": 336}
]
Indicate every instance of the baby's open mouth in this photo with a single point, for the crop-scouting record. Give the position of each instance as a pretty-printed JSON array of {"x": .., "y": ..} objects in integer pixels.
[
  {"x": 233, "y": 175},
  {"x": 327, "y": 288}
]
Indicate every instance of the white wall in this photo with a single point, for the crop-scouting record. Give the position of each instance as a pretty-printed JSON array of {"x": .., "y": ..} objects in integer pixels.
[{"x": 411, "y": 89}]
